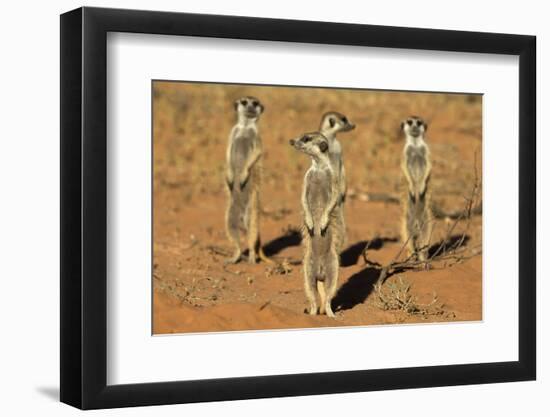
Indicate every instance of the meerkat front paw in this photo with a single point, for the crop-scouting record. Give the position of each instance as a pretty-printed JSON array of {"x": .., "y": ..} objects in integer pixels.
[
  {"x": 422, "y": 193},
  {"x": 243, "y": 179},
  {"x": 324, "y": 225},
  {"x": 229, "y": 184},
  {"x": 309, "y": 226},
  {"x": 229, "y": 180}
]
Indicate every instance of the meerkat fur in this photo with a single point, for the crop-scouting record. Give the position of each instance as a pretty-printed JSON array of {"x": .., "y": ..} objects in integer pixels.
[
  {"x": 320, "y": 197},
  {"x": 416, "y": 167},
  {"x": 333, "y": 123},
  {"x": 243, "y": 179}
]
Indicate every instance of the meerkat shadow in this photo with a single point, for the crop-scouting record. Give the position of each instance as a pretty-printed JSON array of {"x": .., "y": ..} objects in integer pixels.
[
  {"x": 452, "y": 242},
  {"x": 288, "y": 239},
  {"x": 356, "y": 289},
  {"x": 352, "y": 253}
]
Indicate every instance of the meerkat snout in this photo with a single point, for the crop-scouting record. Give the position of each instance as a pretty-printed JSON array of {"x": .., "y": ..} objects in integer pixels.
[{"x": 347, "y": 124}]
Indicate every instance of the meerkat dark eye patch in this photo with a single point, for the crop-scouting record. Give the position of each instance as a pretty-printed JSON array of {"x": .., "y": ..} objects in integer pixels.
[
  {"x": 244, "y": 102},
  {"x": 306, "y": 139},
  {"x": 345, "y": 119},
  {"x": 323, "y": 146},
  {"x": 409, "y": 122},
  {"x": 255, "y": 103}
]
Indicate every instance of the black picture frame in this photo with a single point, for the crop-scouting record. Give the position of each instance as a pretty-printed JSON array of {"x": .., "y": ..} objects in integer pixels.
[{"x": 84, "y": 207}]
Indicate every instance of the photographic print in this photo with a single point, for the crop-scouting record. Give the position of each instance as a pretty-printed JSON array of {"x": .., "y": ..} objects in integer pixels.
[
  {"x": 278, "y": 207},
  {"x": 342, "y": 200}
]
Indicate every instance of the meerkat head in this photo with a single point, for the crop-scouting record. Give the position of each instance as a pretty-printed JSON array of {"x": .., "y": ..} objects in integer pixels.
[
  {"x": 336, "y": 122},
  {"x": 313, "y": 144},
  {"x": 414, "y": 126},
  {"x": 248, "y": 108}
]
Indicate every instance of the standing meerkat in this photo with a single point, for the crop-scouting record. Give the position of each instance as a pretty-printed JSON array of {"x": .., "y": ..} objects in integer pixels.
[
  {"x": 320, "y": 196},
  {"x": 416, "y": 166},
  {"x": 331, "y": 124},
  {"x": 243, "y": 177}
]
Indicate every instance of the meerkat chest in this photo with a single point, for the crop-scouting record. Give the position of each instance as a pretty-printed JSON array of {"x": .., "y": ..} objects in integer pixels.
[
  {"x": 416, "y": 159},
  {"x": 243, "y": 144},
  {"x": 319, "y": 189}
]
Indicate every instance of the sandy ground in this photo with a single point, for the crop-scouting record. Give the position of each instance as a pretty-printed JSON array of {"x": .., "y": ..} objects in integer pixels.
[{"x": 195, "y": 292}]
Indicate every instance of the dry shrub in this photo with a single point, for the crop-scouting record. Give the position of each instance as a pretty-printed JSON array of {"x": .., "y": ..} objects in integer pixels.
[{"x": 397, "y": 296}]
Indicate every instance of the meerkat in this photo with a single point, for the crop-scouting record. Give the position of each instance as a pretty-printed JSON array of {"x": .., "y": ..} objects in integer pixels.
[
  {"x": 320, "y": 196},
  {"x": 416, "y": 166},
  {"x": 331, "y": 124},
  {"x": 243, "y": 177}
]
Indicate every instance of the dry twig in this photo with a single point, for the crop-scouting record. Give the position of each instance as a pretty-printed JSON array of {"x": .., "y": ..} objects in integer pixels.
[
  {"x": 280, "y": 268},
  {"x": 398, "y": 297}
]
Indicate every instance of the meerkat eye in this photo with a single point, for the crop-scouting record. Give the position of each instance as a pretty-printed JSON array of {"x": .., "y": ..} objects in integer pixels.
[
  {"x": 409, "y": 122},
  {"x": 244, "y": 102},
  {"x": 255, "y": 103},
  {"x": 344, "y": 119},
  {"x": 306, "y": 139}
]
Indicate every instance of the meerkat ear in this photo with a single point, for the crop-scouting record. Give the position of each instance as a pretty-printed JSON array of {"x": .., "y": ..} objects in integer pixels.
[
  {"x": 331, "y": 121},
  {"x": 425, "y": 127},
  {"x": 323, "y": 146},
  {"x": 236, "y": 104},
  {"x": 402, "y": 125},
  {"x": 262, "y": 108}
]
